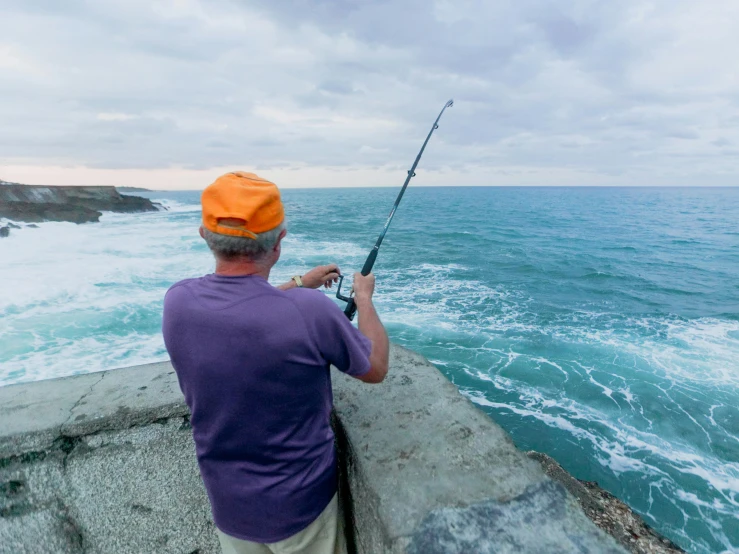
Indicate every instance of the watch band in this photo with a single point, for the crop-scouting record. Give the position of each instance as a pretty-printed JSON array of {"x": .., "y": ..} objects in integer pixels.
[{"x": 298, "y": 280}]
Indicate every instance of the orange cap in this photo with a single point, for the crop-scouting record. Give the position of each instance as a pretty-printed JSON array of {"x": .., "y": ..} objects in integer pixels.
[{"x": 240, "y": 195}]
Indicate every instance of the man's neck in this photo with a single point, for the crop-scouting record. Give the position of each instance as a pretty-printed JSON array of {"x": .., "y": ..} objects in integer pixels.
[{"x": 235, "y": 268}]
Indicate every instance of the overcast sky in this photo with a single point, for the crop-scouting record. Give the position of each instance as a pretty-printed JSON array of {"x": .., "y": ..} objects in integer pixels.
[{"x": 169, "y": 94}]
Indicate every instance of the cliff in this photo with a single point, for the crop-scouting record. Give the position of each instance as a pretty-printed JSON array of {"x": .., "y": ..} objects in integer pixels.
[
  {"x": 35, "y": 203},
  {"x": 104, "y": 462}
]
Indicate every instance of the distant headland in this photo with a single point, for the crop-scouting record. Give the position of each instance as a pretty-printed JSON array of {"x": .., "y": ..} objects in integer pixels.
[
  {"x": 132, "y": 189},
  {"x": 37, "y": 203}
]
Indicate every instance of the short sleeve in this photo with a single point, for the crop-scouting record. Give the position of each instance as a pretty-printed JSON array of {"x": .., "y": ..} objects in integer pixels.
[{"x": 338, "y": 341}]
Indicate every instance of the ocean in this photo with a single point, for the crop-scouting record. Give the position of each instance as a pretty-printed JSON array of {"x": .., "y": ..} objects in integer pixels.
[{"x": 597, "y": 325}]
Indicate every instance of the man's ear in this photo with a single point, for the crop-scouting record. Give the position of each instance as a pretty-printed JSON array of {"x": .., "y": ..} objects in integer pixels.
[
  {"x": 279, "y": 239},
  {"x": 202, "y": 235}
]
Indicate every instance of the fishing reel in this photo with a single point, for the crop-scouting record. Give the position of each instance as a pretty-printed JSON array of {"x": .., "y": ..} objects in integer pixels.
[
  {"x": 338, "y": 291},
  {"x": 351, "y": 306}
]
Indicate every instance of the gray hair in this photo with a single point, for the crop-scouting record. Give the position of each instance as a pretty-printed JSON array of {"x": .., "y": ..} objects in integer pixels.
[{"x": 227, "y": 246}]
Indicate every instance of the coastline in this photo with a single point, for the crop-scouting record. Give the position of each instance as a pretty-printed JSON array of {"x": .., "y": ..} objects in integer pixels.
[{"x": 31, "y": 204}]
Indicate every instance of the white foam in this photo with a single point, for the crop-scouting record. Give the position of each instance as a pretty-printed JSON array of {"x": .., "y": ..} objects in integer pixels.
[
  {"x": 704, "y": 351},
  {"x": 173, "y": 206},
  {"x": 62, "y": 281}
]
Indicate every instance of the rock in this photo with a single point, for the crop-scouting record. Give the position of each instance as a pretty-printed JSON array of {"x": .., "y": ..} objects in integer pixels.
[
  {"x": 31, "y": 203},
  {"x": 12, "y": 225},
  {"x": 608, "y": 512},
  {"x": 31, "y": 226},
  {"x": 32, "y": 211},
  {"x": 4, "y": 231}
]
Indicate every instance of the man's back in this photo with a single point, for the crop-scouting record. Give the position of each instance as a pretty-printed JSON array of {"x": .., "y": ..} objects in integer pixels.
[{"x": 253, "y": 364}]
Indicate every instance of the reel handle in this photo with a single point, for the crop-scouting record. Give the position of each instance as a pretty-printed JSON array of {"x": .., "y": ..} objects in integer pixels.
[
  {"x": 338, "y": 291},
  {"x": 351, "y": 306}
]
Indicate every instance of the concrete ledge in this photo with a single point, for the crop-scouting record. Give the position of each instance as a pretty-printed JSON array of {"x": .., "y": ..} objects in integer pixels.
[
  {"x": 105, "y": 463},
  {"x": 35, "y": 415},
  {"x": 426, "y": 466}
]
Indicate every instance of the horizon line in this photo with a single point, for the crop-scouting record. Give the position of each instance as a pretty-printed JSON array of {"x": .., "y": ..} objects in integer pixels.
[{"x": 329, "y": 187}]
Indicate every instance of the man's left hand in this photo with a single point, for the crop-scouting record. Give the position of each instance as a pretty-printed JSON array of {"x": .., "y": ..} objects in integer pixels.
[{"x": 325, "y": 275}]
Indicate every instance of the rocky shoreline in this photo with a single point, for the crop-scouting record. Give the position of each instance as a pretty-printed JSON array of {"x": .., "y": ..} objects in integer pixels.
[
  {"x": 37, "y": 203},
  {"x": 608, "y": 512}
]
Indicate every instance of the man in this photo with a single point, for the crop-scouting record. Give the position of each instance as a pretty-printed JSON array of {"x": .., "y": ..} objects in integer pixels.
[{"x": 253, "y": 363}]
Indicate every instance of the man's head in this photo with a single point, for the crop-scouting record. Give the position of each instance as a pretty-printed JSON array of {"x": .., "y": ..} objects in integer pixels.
[{"x": 243, "y": 218}]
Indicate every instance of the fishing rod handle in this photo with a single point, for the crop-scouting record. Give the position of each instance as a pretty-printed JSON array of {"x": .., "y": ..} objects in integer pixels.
[
  {"x": 370, "y": 262},
  {"x": 351, "y": 305},
  {"x": 351, "y": 309}
]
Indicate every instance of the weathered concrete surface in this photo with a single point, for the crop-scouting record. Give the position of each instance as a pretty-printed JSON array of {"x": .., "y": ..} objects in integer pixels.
[
  {"x": 37, "y": 414},
  {"x": 139, "y": 490},
  {"x": 32, "y": 415},
  {"x": 105, "y": 463}
]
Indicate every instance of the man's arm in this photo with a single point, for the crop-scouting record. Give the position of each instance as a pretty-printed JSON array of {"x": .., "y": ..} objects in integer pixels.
[
  {"x": 325, "y": 275},
  {"x": 371, "y": 327}
]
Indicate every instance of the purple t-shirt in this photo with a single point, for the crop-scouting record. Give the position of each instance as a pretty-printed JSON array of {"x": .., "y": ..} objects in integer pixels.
[{"x": 253, "y": 364}]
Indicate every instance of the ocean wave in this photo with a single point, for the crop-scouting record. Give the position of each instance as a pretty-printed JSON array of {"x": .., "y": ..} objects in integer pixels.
[
  {"x": 61, "y": 357},
  {"x": 173, "y": 206},
  {"x": 620, "y": 248}
]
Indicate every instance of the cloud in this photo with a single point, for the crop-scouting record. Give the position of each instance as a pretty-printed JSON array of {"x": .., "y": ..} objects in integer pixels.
[
  {"x": 112, "y": 116},
  {"x": 573, "y": 92}
]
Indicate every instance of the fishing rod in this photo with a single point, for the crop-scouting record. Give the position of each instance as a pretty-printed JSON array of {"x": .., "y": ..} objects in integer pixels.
[{"x": 351, "y": 306}]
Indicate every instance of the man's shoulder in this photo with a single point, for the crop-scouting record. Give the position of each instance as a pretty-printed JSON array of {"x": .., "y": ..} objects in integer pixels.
[
  {"x": 183, "y": 283},
  {"x": 179, "y": 289}
]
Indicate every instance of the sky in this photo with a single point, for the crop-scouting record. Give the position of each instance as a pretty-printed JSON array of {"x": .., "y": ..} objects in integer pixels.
[{"x": 170, "y": 94}]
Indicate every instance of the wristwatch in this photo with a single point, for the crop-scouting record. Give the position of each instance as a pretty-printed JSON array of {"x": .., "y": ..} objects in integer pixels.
[{"x": 298, "y": 280}]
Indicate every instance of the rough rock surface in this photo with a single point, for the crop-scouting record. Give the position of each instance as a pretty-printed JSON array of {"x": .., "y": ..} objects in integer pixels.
[
  {"x": 534, "y": 521},
  {"x": 32, "y": 203},
  {"x": 608, "y": 512}
]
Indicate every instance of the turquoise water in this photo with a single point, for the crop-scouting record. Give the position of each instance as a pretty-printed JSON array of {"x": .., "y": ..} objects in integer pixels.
[{"x": 600, "y": 326}]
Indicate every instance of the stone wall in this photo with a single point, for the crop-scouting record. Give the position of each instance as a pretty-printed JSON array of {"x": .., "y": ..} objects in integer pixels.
[{"x": 104, "y": 463}]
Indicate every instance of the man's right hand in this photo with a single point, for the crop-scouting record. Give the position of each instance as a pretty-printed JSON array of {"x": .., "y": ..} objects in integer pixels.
[
  {"x": 364, "y": 287},
  {"x": 371, "y": 327}
]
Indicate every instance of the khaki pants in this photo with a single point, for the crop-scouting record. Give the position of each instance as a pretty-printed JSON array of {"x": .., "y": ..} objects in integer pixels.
[{"x": 324, "y": 536}]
